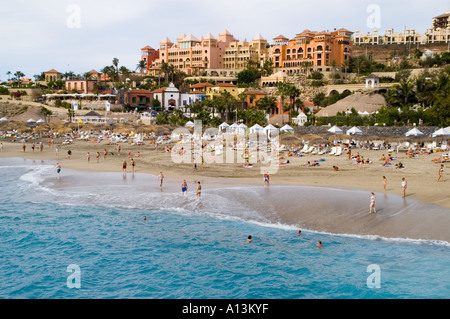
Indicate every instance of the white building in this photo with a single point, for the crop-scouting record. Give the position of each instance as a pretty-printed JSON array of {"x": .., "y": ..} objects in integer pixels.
[{"x": 170, "y": 98}]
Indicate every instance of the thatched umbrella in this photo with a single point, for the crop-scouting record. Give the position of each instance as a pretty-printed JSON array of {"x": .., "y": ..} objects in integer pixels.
[
  {"x": 24, "y": 129},
  {"x": 42, "y": 129},
  {"x": 64, "y": 130}
]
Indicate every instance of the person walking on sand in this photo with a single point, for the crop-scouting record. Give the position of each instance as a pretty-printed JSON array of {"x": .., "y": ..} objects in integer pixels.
[
  {"x": 69, "y": 153},
  {"x": 404, "y": 186},
  {"x": 441, "y": 173},
  {"x": 58, "y": 170},
  {"x": 105, "y": 153},
  {"x": 133, "y": 163},
  {"x": 372, "y": 204},
  {"x": 199, "y": 189},
  {"x": 118, "y": 149},
  {"x": 24, "y": 147},
  {"x": 1, "y": 147},
  {"x": 124, "y": 167},
  {"x": 97, "y": 155},
  {"x": 56, "y": 151},
  {"x": 160, "y": 179},
  {"x": 184, "y": 187},
  {"x": 384, "y": 182},
  {"x": 88, "y": 157},
  {"x": 41, "y": 146},
  {"x": 33, "y": 147}
]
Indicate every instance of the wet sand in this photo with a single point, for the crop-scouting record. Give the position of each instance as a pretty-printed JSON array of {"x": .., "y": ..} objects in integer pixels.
[{"x": 337, "y": 203}]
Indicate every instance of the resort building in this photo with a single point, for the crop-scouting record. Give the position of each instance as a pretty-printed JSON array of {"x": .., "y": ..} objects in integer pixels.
[
  {"x": 439, "y": 32},
  {"x": 220, "y": 88},
  {"x": 222, "y": 56},
  {"x": 149, "y": 56},
  {"x": 170, "y": 98},
  {"x": 238, "y": 53},
  {"x": 52, "y": 76},
  {"x": 138, "y": 98},
  {"x": 81, "y": 86},
  {"x": 253, "y": 96},
  {"x": 311, "y": 49}
]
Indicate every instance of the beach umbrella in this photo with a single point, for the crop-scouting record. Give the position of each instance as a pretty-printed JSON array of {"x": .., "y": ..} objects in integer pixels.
[
  {"x": 31, "y": 121},
  {"x": 256, "y": 129},
  {"x": 40, "y": 121},
  {"x": 241, "y": 128},
  {"x": 442, "y": 132},
  {"x": 223, "y": 126},
  {"x": 287, "y": 128},
  {"x": 354, "y": 130},
  {"x": 189, "y": 124},
  {"x": 335, "y": 130},
  {"x": 414, "y": 132},
  {"x": 270, "y": 130},
  {"x": 3, "y": 120}
]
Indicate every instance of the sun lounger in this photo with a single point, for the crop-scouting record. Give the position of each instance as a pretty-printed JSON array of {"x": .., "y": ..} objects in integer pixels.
[
  {"x": 338, "y": 151},
  {"x": 305, "y": 148},
  {"x": 333, "y": 150}
]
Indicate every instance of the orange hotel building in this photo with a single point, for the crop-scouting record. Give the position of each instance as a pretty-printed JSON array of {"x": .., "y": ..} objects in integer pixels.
[{"x": 313, "y": 49}]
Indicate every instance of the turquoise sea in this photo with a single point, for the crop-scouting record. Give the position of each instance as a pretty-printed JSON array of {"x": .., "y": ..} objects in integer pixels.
[{"x": 187, "y": 248}]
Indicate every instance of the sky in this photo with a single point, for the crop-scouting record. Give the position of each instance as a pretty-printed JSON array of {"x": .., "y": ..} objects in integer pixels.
[{"x": 81, "y": 35}]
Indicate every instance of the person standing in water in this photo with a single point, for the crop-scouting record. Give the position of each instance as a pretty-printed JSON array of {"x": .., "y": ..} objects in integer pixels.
[
  {"x": 133, "y": 163},
  {"x": 372, "y": 204},
  {"x": 199, "y": 189},
  {"x": 384, "y": 182},
  {"x": 124, "y": 167},
  {"x": 160, "y": 179},
  {"x": 404, "y": 186},
  {"x": 184, "y": 187},
  {"x": 58, "y": 169}
]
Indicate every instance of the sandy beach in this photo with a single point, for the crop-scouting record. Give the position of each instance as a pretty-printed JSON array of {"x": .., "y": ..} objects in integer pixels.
[{"x": 427, "y": 204}]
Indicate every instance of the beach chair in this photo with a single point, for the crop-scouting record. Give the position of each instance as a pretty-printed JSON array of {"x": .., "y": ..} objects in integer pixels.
[
  {"x": 324, "y": 151},
  {"x": 315, "y": 150},
  {"x": 305, "y": 147},
  {"x": 309, "y": 150},
  {"x": 333, "y": 150},
  {"x": 338, "y": 151}
]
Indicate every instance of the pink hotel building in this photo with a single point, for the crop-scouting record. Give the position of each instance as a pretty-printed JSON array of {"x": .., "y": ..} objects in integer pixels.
[{"x": 192, "y": 55}]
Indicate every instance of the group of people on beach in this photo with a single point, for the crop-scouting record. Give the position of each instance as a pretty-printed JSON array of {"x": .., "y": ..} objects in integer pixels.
[{"x": 404, "y": 185}]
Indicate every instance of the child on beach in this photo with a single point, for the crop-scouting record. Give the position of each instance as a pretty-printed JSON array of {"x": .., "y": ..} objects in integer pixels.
[
  {"x": 404, "y": 185},
  {"x": 384, "y": 182},
  {"x": 372, "y": 204},
  {"x": 184, "y": 187},
  {"x": 441, "y": 172}
]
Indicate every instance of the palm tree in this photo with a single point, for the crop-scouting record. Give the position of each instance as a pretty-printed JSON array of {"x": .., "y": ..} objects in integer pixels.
[
  {"x": 87, "y": 75},
  {"x": 346, "y": 64},
  {"x": 267, "y": 104},
  {"x": 19, "y": 75},
  {"x": 115, "y": 62},
  {"x": 142, "y": 65},
  {"x": 9, "y": 75}
]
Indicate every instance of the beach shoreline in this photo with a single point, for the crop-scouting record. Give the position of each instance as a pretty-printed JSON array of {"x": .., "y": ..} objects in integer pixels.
[{"x": 424, "y": 216}]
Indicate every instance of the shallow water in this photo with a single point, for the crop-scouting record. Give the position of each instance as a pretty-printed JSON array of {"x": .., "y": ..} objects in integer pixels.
[{"x": 189, "y": 248}]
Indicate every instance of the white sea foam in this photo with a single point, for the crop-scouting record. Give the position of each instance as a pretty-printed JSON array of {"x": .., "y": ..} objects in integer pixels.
[{"x": 214, "y": 204}]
